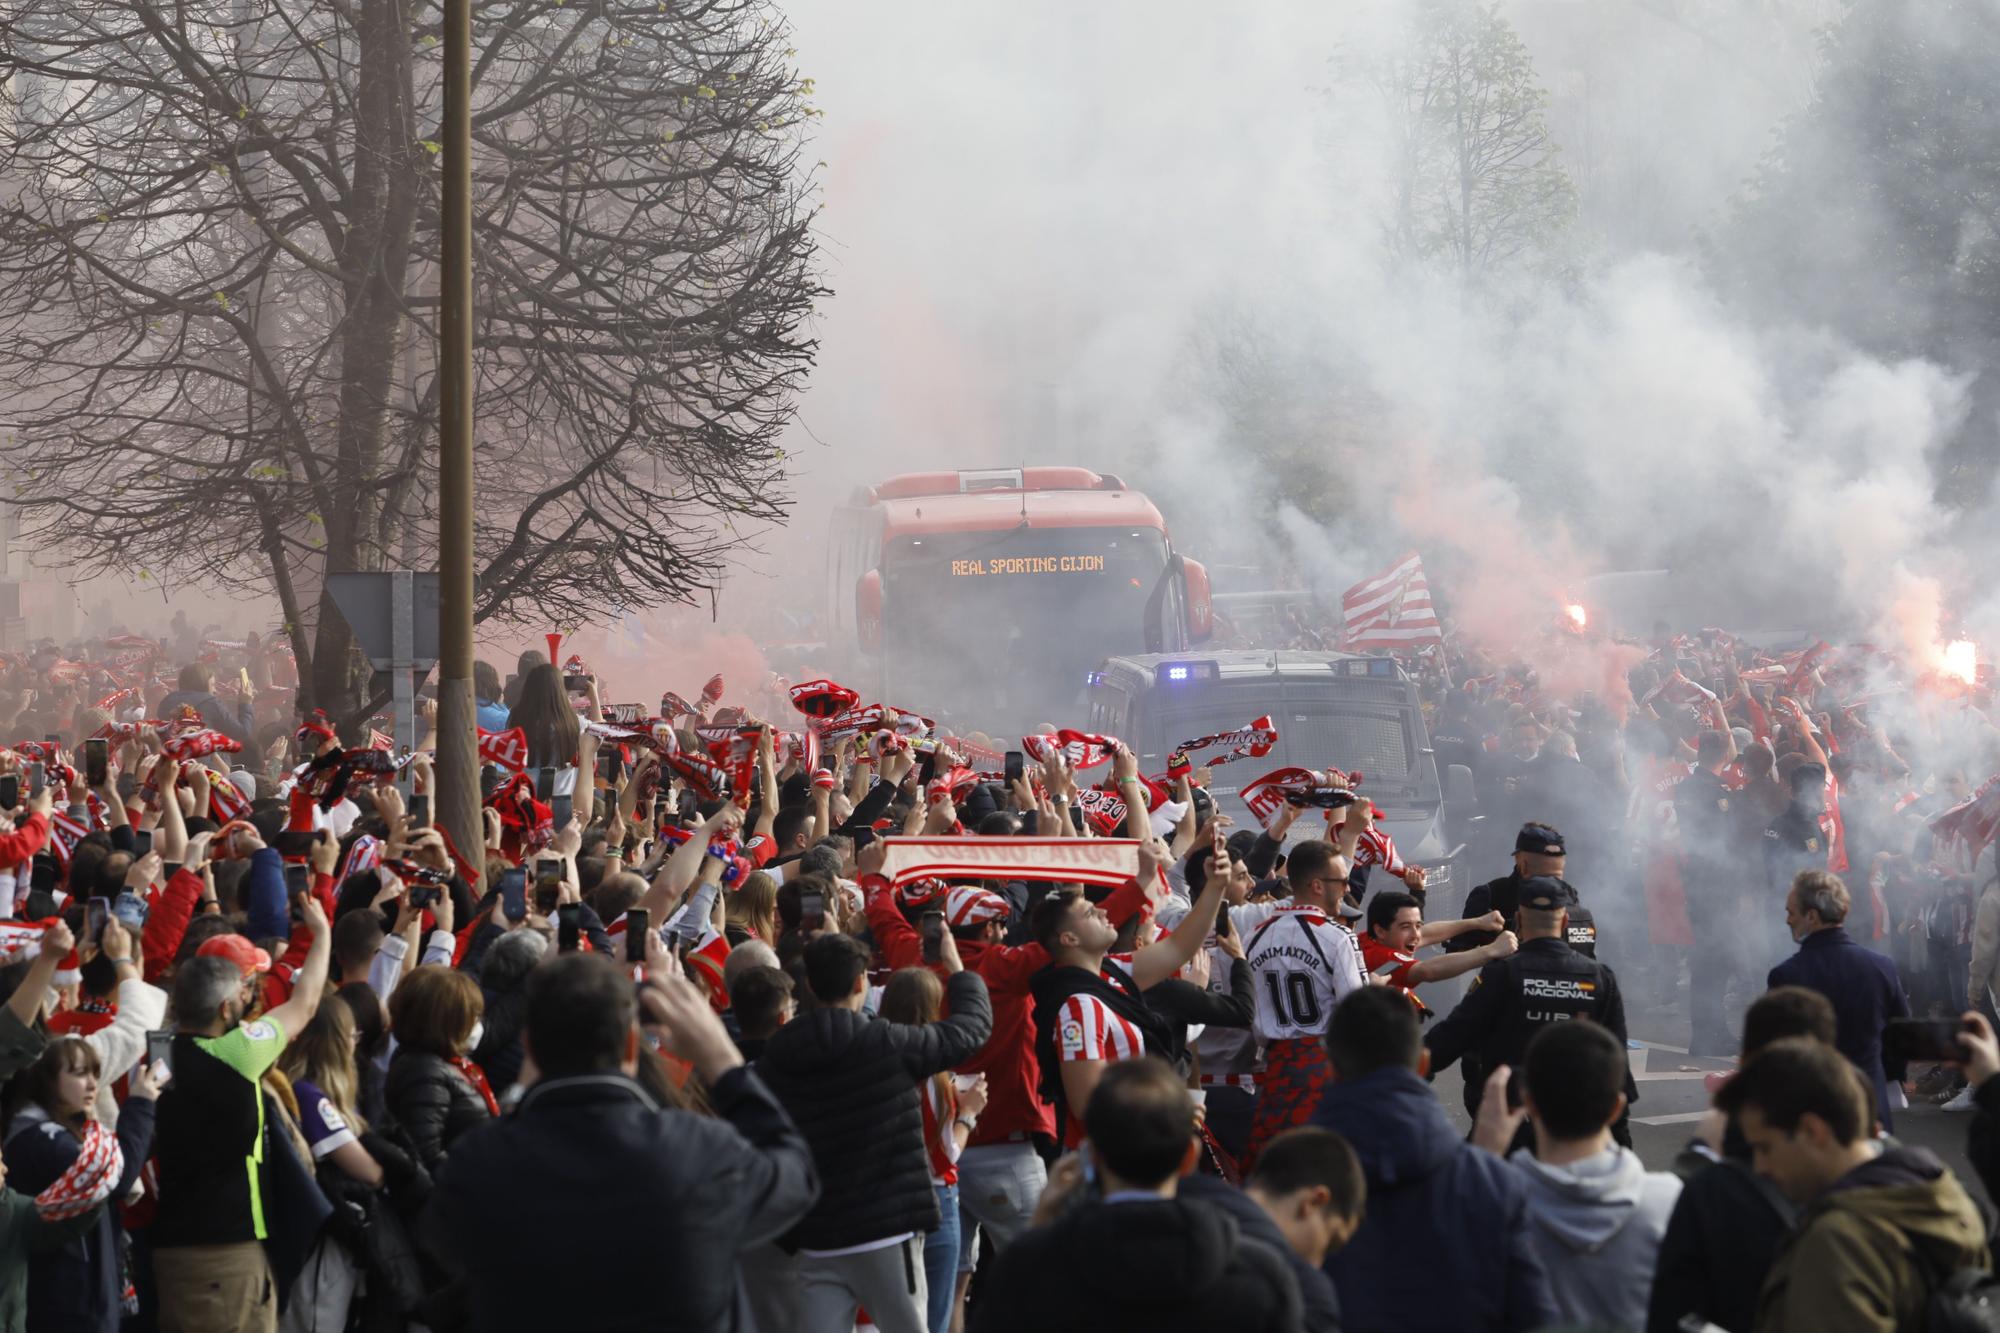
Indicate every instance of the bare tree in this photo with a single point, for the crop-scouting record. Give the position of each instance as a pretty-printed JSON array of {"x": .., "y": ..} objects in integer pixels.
[
  {"x": 1477, "y": 182},
  {"x": 218, "y": 285}
]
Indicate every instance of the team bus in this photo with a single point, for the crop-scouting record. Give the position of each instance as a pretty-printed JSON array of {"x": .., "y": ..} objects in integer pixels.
[
  {"x": 1332, "y": 710},
  {"x": 989, "y": 596}
]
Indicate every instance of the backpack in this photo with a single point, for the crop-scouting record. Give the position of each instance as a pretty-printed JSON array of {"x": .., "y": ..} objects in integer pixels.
[{"x": 1964, "y": 1301}]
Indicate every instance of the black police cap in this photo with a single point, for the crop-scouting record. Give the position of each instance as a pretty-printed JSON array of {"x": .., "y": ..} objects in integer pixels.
[
  {"x": 1541, "y": 839},
  {"x": 1543, "y": 893}
]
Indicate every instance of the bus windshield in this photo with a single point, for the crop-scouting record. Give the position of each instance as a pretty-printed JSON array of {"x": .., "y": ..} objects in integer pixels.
[{"x": 998, "y": 610}]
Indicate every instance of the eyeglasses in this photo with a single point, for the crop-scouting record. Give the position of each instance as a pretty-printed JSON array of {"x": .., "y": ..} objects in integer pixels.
[{"x": 1333, "y": 879}]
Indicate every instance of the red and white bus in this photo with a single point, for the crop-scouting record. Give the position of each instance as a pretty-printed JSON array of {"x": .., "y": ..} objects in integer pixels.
[{"x": 992, "y": 596}]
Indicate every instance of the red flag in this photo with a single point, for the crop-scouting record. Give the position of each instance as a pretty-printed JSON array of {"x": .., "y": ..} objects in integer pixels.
[
  {"x": 1391, "y": 611},
  {"x": 711, "y": 693}
]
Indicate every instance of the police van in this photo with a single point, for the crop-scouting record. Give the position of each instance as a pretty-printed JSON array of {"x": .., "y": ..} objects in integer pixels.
[{"x": 1331, "y": 710}]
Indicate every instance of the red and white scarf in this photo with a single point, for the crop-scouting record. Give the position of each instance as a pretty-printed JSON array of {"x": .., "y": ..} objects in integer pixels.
[
  {"x": 505, "y": 749},
  {"x": 90, "y": 1178},
  {"x": 1079, "y": 749},
  {"x": 1251, "y": 742}
]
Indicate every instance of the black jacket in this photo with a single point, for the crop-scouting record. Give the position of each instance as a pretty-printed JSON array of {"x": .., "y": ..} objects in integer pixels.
[
  {"x": 1163, "y": 1265},
  {"x": 850, "y": 1081},
  {"x": 1321, "y": 1306},
  {"x": 76, "y": 1284},
  {"x": 430, "y": 1104},
  {"x": 1513, "y": 998},
  {"x": 662, "y": 1201},
  {"x": 1726, "y": 1229},
  {"x": 1183, "y": 1003},
  {"x": 1504, "y": 896}
]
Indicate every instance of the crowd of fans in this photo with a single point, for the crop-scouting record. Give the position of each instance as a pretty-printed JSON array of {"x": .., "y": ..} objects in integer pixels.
[{"x": 278, "y": 1054}]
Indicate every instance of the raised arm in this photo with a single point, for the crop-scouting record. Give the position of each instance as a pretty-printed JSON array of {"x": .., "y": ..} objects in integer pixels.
[{"x": 1163, "y": 958}]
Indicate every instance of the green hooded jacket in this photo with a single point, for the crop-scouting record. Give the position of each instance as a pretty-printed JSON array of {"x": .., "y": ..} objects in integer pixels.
[{"x": 1853, "y": 1266}]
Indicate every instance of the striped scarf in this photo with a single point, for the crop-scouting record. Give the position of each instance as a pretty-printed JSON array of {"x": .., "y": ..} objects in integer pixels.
[{"x": 90, "y": 1178}]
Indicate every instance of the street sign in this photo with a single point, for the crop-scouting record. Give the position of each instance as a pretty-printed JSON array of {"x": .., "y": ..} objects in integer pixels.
[
  {"x": 370, "y": 603},
  {"x": 394, "y": 616}
]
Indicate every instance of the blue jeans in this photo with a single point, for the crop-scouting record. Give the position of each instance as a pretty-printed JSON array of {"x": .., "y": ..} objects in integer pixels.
[{"x": 941, "y": 1259}]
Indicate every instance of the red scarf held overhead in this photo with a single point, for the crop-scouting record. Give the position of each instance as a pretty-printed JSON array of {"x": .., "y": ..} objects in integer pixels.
[
  {"x": 504, "y": 749},
  {"x": 823, "y": 698},
  {"x": 1079, "y": 749},
  {"x": 1251, "y": 742},
  {"x": 476, "y": 1076}
]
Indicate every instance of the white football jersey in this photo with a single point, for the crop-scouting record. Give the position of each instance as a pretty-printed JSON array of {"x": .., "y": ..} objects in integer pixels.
[{"x": 1304, "y": 963}]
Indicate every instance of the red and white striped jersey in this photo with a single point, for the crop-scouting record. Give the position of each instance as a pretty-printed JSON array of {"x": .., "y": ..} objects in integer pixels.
[
  {"x": 1088, "y": 1029},
  {"x": 1304, "y": 964},
  {"x": 1376, "y": 848}
]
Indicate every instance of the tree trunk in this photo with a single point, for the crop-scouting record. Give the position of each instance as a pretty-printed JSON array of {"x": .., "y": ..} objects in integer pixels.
[{"x": 375, "y": 256}]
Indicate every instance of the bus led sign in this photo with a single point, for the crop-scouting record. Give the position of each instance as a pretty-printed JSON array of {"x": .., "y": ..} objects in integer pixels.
[{"x": 1029, "y": 564}]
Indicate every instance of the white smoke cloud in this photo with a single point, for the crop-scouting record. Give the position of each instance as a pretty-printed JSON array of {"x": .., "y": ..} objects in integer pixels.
[{"x": 1033, "y": 213}]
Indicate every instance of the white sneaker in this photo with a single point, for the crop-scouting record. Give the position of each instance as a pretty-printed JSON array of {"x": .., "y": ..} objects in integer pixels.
[{"x": 1962, "y": 1102}]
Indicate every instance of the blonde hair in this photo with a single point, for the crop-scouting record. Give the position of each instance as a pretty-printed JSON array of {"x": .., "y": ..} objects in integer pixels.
[{"x": 323, "y": 1055}]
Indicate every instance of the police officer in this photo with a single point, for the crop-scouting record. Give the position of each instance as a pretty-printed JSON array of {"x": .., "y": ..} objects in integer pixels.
[
  {"x": 1539, "y": 850},
  {"x": 1715, "y": 882},
  {"x": 1545, "y": 982},
  {"x": 1796, "y": 840}
]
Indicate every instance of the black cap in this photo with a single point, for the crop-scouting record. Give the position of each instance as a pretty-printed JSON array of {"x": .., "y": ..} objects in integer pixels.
[
  {"x": 1543, "y": 893},
  {"x": 1807, "y": 775},
  {"x": 1541, "y": 839}
]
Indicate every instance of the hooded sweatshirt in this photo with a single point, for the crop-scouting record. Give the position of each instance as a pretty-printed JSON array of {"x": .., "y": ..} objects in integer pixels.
[
  {"x": 1164, "y": 1265},
  {"x": 1434, "y": 1199},
  {"x": 1853, "y": 1264},
  {"x": 1597, "y": 1224}
]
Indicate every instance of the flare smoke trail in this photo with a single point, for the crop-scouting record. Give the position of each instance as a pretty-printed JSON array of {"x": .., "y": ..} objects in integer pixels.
[{"x": 1151, "y": 238}]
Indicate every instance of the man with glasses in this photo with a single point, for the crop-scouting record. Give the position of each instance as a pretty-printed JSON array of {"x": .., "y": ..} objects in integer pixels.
[{"x": 1304, "y": 959}]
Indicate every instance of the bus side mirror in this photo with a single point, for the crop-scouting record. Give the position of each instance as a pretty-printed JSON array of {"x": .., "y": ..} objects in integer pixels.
[
  {"x": 868, "y": 611},
  {"x": 1459, "y": 800},
  {"x": 1200, "y": 611}
]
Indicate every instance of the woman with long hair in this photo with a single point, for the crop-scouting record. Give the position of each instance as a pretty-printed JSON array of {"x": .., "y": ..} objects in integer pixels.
[
  {"x": 915, "y": 996},
  {"x": 434, "y": 1092},
  {"x": 61, "y": 1153},
  {"x": 544, "y": 715},
  {"x": 320, "y": 1063},
  {"x": 753, "y": 911}
]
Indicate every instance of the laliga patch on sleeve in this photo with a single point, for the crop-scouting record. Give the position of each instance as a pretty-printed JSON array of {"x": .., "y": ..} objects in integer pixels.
[
  {"x": 1072, "y": 1037},
  {"x": 261, "y": 1031}
]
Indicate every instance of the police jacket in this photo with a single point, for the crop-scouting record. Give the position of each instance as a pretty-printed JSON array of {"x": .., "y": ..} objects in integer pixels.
[
  {"x": 1703, "y": 811},
  {"x": 1512, "y": 998},
  {"x": 1792, "y": 842},
  {"x": 1503, "y": 895}
]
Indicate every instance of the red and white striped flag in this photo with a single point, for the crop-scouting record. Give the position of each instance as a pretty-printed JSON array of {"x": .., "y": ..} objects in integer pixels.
[
  {"x": 380, "y": 740},
  {"x": 1390, "y": 611}
]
